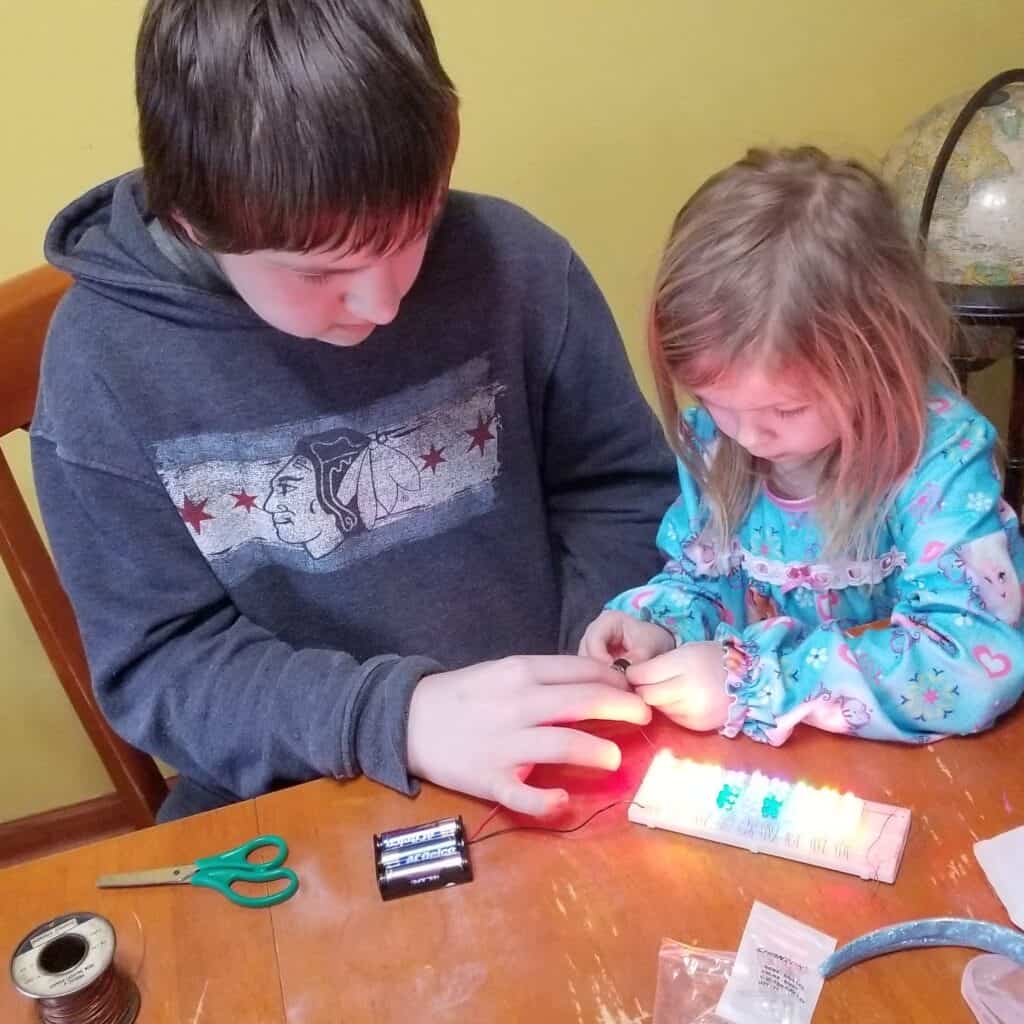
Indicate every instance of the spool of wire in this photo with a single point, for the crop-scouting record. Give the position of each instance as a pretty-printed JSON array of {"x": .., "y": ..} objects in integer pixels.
[{"x": 67, "y": 965}]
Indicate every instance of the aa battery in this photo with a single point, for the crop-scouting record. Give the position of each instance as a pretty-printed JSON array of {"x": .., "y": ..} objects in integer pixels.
[{"x": 422, "y": 858}]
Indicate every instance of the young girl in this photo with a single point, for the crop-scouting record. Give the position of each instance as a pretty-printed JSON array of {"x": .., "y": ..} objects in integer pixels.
[{"x": 839, "y": 554}]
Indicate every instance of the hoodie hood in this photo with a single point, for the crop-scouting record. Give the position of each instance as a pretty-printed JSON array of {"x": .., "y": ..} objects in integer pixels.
[{"x": 103, "y": 240}]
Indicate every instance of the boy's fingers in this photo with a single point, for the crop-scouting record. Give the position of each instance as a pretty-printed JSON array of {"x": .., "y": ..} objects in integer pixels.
[
  {"x": 552, "y": 745},
  {"x": 578, "y": 702},
  {"x": 523, "y": 799},
  {"x": 558, "y": 669},
  {"x": 617, "y": 680}
]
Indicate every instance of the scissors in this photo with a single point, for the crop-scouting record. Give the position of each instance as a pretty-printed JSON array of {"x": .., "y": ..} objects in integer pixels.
[{"x": 221, "y": 872}]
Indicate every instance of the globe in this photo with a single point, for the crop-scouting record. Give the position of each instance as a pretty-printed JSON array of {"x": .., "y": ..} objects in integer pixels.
[
  {"x": 972, "y": 147},
  {"x": 977, "y": 228}
]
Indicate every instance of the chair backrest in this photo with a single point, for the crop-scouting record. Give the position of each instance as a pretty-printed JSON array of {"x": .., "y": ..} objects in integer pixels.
[{"x": 26, "y": 305}]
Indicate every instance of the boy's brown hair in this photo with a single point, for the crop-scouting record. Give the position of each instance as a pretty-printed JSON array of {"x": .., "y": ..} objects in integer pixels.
[{"x": 295, "y": 125}]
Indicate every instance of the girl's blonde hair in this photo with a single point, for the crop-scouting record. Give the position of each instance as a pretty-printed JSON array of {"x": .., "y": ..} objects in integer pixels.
[{"x": 800, "y": 260}]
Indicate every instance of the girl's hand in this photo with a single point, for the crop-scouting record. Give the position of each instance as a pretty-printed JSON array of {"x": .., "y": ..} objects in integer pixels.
[
  {"x": 687, "y": 685},
  {"x": 618, "y": 635}
]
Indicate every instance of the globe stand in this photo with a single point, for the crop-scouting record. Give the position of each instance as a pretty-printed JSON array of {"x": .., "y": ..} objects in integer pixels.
[{"x": 984, "y": 305}]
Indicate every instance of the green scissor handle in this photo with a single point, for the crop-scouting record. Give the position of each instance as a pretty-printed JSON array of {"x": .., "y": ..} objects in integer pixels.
[{"x": 223, "y": 870}]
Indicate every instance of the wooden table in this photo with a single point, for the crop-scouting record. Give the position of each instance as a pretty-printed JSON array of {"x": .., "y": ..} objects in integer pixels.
[
  {"x": 197, "y": 959},
  {"x": 554, "y": 928}
]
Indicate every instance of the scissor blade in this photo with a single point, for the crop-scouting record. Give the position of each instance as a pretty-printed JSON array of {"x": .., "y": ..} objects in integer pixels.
[{"x": 157, "y": 876}]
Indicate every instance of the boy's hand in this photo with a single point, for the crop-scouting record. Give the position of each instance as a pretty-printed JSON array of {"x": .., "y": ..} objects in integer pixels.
[
  {"x": 687, "y": 685},
  {"x": 481, "y": 729},
  {"x": 618, "y": 635}
]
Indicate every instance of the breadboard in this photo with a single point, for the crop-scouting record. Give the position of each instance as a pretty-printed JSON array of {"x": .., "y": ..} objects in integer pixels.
[{"x": 767, "y": 815}]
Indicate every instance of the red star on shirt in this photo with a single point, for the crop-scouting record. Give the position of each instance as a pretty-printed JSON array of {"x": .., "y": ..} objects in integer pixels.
[
  {"x": 433, "y": 459},
  {"x": 481, "y": 433},
  {"x": 194, "y": 512},
  {"x": 243, "y": 500}
]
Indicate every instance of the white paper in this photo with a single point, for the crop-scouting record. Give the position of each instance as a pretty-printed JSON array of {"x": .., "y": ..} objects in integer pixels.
[
  {"x": 1000, "y": 858},
  {"x": 775, "y": 979}
]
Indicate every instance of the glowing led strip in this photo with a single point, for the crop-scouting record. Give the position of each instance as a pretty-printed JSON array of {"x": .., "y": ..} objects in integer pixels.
[{"x": 768, "y": 815}]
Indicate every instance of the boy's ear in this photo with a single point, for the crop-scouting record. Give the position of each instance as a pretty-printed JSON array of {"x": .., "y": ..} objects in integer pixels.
[{"x": 185, "y": 226}]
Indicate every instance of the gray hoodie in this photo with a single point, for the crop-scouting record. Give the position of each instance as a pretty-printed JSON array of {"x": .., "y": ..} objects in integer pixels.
[{"x": 269, "y": 541}]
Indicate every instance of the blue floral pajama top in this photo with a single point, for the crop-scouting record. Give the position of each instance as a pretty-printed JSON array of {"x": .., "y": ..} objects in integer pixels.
[{"x": 943, "y": 651}]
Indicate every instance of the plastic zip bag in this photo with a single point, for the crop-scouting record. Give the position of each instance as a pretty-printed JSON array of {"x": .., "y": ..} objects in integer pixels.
[
  {"x": 690, "y": 983},
  {"x": 776, "y": 977},
  {"x": 993, "y": 987}
]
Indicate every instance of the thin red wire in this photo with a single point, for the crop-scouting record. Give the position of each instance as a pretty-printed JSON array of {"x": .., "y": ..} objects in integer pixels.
[
  {"x": 497, "y": 807},
  {"x": 483, "y": 824}
]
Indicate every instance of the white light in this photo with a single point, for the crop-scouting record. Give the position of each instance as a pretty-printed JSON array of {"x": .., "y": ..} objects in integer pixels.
[
  {"x": 701, "y": 788},
  {"x": 763, "y": 814}
]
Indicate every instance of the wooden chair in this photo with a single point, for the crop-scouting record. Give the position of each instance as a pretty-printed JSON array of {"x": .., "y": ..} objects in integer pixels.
[{"x": 26, "y": 305}]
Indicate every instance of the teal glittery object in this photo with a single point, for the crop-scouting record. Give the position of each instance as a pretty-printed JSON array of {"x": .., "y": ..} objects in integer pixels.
[
  {"x": 727, "y": 797},
  {"x": 930, "y": 931},
  {"x": 771, "y": 806}
]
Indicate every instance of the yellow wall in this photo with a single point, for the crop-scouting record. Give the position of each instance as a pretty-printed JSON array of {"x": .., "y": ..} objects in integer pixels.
[{"x": 600, "y": 116}]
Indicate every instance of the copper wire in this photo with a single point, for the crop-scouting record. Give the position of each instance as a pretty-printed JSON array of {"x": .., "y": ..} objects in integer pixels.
[{"x": 111, "y": 999}]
